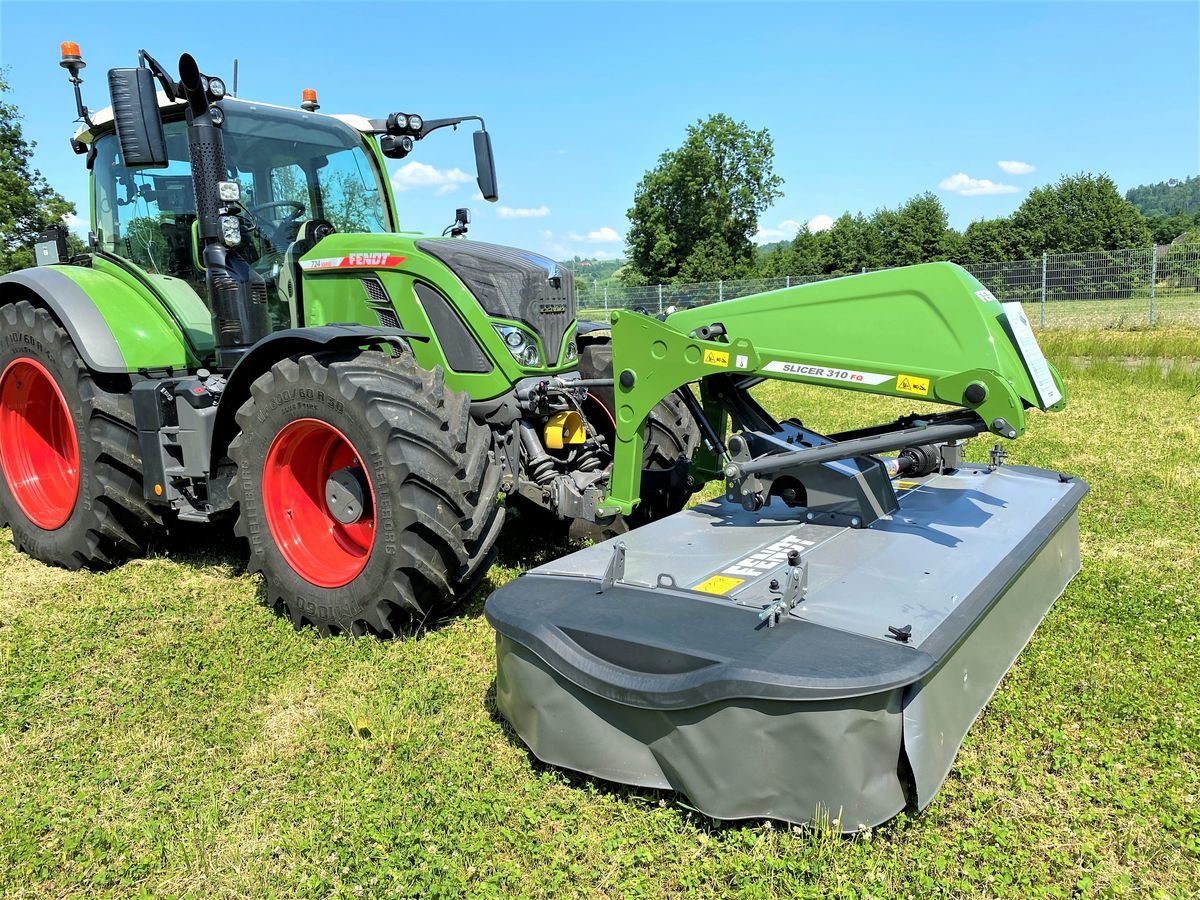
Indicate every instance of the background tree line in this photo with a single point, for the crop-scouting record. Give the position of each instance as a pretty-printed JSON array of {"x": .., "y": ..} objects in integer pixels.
[{"x": 696, "y": 212}]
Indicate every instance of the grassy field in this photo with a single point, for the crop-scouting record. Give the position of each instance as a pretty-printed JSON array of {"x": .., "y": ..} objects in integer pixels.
[{"x": 162, "y": 733}]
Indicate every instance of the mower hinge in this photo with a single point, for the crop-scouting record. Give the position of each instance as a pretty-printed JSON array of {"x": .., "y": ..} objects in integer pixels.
[{"x": 615, "y": 571}]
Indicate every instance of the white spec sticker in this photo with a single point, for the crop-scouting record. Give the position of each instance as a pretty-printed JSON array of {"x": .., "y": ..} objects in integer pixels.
[
  {"x": 1035, "y": 360},
  {"x": 741, "y": 362},
  {"x": 827, "y": 373},
  {"x": 986, "y": 296}
]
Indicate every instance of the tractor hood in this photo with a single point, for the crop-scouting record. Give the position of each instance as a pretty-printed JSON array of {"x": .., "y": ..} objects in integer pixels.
[{"x": 512, "y": 284}]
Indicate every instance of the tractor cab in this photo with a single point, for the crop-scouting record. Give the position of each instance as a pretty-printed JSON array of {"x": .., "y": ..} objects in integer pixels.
[{"x": 302, "y": 176}]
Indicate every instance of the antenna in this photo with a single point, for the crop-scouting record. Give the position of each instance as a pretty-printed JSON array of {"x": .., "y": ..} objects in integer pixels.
[{"x": 235, "y": 64}]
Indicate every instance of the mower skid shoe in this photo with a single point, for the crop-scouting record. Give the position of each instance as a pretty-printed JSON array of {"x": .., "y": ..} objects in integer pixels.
[{"x": 766, "y": 666}]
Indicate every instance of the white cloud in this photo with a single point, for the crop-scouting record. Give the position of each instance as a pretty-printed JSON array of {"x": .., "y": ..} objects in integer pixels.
[
  {"x": 784, "y": 231},
  {"x": 820, "y": 222},
  {"x": 537, "y": 212},
  {"x": 76, "y": 224},
  {"x": 604, "y": 235},
  {"x": 422, "y": 175},
  {"x": 964, "y": 184},
  {"x": 1015, "y": 167}
]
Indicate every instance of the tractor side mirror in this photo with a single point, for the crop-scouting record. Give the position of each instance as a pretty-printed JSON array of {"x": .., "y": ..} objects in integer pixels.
[
  {"x": 138, "y": 121},
  {"x": 485, "y": 166}
]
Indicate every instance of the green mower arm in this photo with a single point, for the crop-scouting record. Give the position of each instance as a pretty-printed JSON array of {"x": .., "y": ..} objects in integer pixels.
[{"x": 929, "y": 332}]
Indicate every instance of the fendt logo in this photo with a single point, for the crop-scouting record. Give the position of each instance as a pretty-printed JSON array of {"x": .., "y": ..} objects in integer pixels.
[
  {"x": 352, "y": 261},
  {"x": 552, "y": 308}
]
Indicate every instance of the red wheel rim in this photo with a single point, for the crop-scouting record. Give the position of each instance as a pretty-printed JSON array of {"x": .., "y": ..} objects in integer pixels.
[
  {"x": 39, "y": 453},
  {"x": 322, "y": 550}
]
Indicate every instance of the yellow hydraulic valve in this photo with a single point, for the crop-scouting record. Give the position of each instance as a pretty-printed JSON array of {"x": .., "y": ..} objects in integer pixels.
[{"x": 565, "y": 428}]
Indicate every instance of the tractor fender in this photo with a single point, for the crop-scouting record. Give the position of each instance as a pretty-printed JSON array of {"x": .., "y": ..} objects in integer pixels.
[
  {"x": 73, "y": 309},
  {"x": 280, "y": 345},
  {"x": 114, "y": 328}
]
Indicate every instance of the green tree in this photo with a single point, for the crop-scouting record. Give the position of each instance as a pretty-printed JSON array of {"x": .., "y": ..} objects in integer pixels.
[
  {"x": 697, "y": 209},
  {"x": 28, "y": 205},
  {"x": 922, "y": 233},
  {"x": 988, "y": 240},
  {"x": 1079, "y": 213},
  {"x": 853, "y": 245}
]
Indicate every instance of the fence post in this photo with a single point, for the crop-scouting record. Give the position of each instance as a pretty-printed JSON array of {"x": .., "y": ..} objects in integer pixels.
[
  {"x": 720, "y": 290},
  {"x": 660, "y": 299},
  {"x": 606, "y": 301},
  {"x": 1043, "y": 305},
  {"x": 789, "y": 281},
  {"x": 1153, "y": 278}
]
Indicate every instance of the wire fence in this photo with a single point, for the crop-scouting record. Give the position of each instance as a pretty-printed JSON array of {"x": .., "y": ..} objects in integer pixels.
[{"x": 1106, "y": 289}]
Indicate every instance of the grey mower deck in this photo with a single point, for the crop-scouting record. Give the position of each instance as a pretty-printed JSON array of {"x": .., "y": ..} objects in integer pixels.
[{"x": 670, "y": 678}]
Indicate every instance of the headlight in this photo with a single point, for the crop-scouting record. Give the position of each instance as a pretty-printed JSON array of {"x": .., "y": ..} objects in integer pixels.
[
  {"x": 415, "y": 123},
  {"x": 520, "y": 344},
  {"x": 231, "y": 231},
  {"x": 216, "y": 87},
  {"x": 572, "y": 352},
  {"x": 229, "y": 191},
  {"x": 214, "y": 113}
]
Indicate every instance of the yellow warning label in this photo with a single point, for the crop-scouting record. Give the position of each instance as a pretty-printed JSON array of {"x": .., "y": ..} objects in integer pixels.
[
  {"x": 907, "y": 485},
  {"x": 910, "y": 384},
  {"x": 718, "y": 584},
  {"x": 716, "y": 358}
]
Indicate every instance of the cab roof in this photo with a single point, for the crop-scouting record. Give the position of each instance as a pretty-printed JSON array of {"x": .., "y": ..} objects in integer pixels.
[{"x": 102, "y": 119}]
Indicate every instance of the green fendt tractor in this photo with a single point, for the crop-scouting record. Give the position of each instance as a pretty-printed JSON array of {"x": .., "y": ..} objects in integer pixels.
[{"x": 250, "y": 333}]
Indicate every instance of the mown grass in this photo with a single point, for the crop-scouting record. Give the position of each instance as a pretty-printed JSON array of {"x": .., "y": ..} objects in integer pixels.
[{"x": 160, "y": 732}]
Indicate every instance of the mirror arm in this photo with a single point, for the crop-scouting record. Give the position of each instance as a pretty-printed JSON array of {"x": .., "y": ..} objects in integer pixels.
[
  {"x": 169, "y": 85},
  {"x": 434, "y": 124}
]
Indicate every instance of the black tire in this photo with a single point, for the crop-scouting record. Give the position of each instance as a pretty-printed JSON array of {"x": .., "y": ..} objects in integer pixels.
[
  {"x": 427, "y": 464},
  {"x": 110, "y": 520},
  {"x": 671, "y": 439}
]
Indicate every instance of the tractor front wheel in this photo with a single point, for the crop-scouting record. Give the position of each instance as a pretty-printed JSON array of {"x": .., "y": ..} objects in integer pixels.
[
  {"x": 367, "y": 492},
  {"x": 71, "y": 487}
]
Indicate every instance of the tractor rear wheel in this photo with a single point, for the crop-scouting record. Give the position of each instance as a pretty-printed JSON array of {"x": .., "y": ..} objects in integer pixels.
[
  {"x": 367, "y": 492},
  {"x": 671, "y": 439},
  {"x": 71, "y": 486}
]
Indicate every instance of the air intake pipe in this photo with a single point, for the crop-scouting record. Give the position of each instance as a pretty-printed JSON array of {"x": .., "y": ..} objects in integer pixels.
[{"x": 237, "y": 296}]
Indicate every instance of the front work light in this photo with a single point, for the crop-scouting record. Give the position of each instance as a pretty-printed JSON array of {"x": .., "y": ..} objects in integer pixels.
[{"x": 231, "y": 231}]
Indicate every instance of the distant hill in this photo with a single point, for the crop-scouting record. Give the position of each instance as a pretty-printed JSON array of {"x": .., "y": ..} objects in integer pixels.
[
  {"x": 592, "y": 269},
  {"x": 1167, "y": 198}
]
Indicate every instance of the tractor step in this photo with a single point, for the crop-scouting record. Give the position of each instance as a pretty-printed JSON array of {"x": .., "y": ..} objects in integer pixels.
[{"x": 765, "y": 665}]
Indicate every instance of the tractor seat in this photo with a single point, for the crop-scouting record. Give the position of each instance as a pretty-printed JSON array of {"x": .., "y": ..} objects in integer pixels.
[{"x": 309, "y": 234}]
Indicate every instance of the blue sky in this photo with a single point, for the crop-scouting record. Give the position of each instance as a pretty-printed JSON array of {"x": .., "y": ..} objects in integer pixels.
[{"x": 868, "y": 104}]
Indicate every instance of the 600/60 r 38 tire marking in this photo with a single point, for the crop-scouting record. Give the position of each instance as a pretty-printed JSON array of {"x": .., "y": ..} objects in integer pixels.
[
  {"x": 427, "y": 484},
  {"x": 70, "y": 465}
]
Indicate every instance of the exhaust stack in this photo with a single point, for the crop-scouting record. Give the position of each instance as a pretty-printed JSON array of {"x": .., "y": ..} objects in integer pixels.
[{"x": 236, "y": 293}]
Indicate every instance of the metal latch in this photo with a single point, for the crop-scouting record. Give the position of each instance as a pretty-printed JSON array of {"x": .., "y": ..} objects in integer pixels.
[{"x": 795, "y": 586}]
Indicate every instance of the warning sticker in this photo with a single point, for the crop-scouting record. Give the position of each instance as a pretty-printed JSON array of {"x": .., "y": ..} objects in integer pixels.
[
  {"x": 911, "y": 384},
  {"x": 742, "y": 361},
  {"x": 718, "y": 584},
  {"x": 826, "y": 373},
  {"x": 1035, "y": 362},
  {"x": 907, "y": 485},
  {"x": 716, "y": 358},
  {"x": 986, "y": 296}
]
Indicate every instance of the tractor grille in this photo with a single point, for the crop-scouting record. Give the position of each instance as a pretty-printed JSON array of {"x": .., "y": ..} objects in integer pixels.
[{"x": 515, "y": 284}]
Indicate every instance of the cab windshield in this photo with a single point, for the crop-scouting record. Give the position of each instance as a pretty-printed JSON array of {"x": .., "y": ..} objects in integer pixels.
[{"x": 293, "y": 168}]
